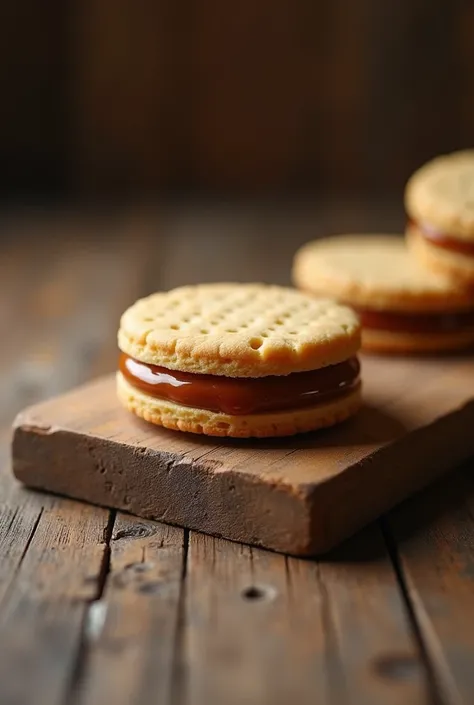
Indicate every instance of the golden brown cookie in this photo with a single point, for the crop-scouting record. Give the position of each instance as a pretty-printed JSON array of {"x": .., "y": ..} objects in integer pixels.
[
  {"x": 239, "y": 360},
  {"x": 439, "y": 200},
  {"x": 403, "y": 307},
  {"x": 238, "y": 330}
]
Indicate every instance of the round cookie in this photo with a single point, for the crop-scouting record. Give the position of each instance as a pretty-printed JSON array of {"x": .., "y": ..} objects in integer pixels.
[
  {"x": 403, "y": 307},
  {"x": 238, "y": 330},
  {"x": 439, "y": 201},
  {"x": 251, "y": 332}
]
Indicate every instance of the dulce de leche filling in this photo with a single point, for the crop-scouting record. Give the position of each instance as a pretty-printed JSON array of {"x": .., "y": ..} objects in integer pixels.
[
  {"x": 444, "y": 240},
  {"x": 242, "y": 395},
  {"x": 416, "y": 322}
]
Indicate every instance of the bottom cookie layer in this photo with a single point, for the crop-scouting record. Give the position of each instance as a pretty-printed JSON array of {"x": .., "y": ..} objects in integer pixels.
[
  {"x": 284, "y": 423},
  {"x": 399, "y": 342},
  {"x": 458, "y": 267}
]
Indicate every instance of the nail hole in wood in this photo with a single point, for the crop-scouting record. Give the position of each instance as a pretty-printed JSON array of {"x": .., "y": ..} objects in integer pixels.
[
  {"x": 255, "y": 593},
  {"x": 149, "y": 588},
  {"x": 396, "y": 667}
]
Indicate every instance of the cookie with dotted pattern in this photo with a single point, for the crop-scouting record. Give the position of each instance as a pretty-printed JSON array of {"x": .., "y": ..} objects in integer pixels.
[{"x": 239, "y": 331}]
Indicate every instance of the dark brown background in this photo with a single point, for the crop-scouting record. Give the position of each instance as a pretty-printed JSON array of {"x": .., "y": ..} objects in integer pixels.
[{"x": 258, "y": 97}]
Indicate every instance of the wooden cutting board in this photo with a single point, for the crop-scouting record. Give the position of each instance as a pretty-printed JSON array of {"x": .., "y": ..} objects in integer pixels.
[{"x": 299, "y": 495}]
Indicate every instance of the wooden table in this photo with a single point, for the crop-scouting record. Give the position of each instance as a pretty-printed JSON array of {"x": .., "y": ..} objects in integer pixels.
[{"x": 99, "y": 607}]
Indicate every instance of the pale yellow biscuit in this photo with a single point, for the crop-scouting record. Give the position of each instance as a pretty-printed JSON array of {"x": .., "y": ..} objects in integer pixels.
[
  {"x": 284, "y": 423},
  {"x": 458, "y": 267},
  {"x": 385, "y": 341},
  {"x": 375, "y": 272},
  {"x": 238, "y": 330},
  {"x": 441, "y": 194}
]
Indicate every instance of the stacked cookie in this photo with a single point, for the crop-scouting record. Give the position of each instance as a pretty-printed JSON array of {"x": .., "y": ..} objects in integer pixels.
[
  {"x": 415, "y": 295},
  {"x": 439, "y": 201},
  {"x": 256, "y": 361}
]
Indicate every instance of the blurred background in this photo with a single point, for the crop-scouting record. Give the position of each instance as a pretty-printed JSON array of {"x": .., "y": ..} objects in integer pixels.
[
  {"x": 114, "y": 99},
  {"x": 147, "y": 144}
]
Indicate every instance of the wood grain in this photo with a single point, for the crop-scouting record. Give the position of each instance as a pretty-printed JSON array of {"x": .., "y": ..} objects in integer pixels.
[
  {"x": 300, "y": 495},
  {"x": 260, "y": 628},
  {"x": 20, "y": 513},
  {"x": 74, "y": 287},
  {"x": 371, "y": 657},
  {"x": 71, "y": 287},
  {"x": 43, "y": 611},
  {"x": 132, "y": 633},
  {"x": 434, "y": 545}
]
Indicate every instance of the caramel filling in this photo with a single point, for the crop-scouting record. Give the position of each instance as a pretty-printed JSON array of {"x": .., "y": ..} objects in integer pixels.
[
  {"x": 242, "y": 395},
  {"x": 416, "y": 322},
  {"x": 444, "y": 240}
]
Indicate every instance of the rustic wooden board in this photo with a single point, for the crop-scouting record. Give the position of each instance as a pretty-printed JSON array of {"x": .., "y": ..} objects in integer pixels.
[{"x": 300, "y": 495}]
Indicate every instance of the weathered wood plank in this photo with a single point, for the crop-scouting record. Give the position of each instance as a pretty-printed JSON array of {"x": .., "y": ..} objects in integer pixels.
[
  {"x": 373, "y": 655},
  {"x": 64, "y": 282},
  {"x": 25, "y": 268},
  {"x": 260, "y": 628},
  {"x": 44, "y": 608},
  {"x": 433, "y": 539},
  {"x": 20, "y": 511},
  {"x": 130, "y": 659},
  {"x": 70, "y": 291}
]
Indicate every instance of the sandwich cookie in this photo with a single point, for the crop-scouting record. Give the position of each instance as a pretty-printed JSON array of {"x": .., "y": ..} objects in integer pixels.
[
  {"x": 439, "y": 201},
  {"x": 239, "y": 360},
  {"x": 402, "y": 306}
]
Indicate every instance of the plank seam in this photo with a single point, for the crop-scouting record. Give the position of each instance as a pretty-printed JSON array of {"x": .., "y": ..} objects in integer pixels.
[
  {"x": 72, "y": 690},
  {"x": 178, "y": 673},
  {"x": 336, "y": 682},
  {"x": 10, "y": 524},
  {"x": 433, "y": 682},
  {"x": 9, "y": 588}
]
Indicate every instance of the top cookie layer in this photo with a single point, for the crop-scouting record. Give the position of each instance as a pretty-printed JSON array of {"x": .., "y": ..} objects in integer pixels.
[
  {"x": 376, "y": 272},
  {"x": 238, "y": 330},
  {"x": 441, "y": 194}
]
